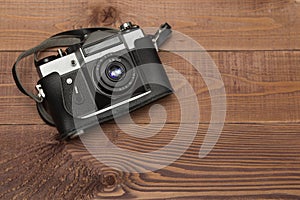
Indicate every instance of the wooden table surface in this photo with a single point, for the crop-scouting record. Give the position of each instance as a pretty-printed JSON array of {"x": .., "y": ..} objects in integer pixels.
[{"x": 256, "y": 47}]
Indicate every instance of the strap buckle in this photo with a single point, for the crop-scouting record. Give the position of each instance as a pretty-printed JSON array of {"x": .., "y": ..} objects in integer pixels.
[
  {"x": 163, "y": 33},
  {"x": 40, "y": 90}
]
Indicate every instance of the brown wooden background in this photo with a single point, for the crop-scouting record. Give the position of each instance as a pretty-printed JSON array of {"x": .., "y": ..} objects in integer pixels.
[{"x": 256, "y": 46}]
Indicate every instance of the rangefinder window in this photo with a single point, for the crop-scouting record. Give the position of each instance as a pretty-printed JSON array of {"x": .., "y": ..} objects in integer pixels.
[{"x": 101, "y": 46}]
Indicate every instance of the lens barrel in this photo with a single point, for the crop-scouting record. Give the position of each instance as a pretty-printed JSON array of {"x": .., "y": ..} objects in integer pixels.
[{"x": 114, "y": 74}]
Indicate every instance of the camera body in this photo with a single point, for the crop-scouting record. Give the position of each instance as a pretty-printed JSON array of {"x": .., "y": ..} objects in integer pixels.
[{"x": 109, "y": 74}]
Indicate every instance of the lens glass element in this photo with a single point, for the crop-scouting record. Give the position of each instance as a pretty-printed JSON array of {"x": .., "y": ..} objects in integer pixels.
[{"x": 115, "y": 71}]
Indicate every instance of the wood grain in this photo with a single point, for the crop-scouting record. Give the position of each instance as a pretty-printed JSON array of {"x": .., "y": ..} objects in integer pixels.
[
  {"x": 249, "y": 161},
  {"x": 255, "y": 45},
  {"x": 34, "y": 165},
  {"x": 217, "y": 25},
  {"x": 255, "y": 82}
]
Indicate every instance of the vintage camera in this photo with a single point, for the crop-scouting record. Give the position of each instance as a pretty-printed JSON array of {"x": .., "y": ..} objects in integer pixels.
[{"x": 108, "y": 74}]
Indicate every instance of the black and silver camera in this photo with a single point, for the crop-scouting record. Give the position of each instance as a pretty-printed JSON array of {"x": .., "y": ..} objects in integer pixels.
[{"x": 105, "y": 74}]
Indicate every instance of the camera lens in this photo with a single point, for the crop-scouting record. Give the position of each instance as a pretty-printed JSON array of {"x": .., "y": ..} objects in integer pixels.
[
  {"x": 114, "y": 74},
  {"x": 115, "y": 71}
]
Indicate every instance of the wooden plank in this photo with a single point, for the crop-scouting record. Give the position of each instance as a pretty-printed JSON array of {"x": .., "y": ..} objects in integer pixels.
[
  {"x": 217, "y": 25},
  {"x": 257, "y": 154},
  {"x": 260, "y": 86},
  {"x": 249, "y": 161},
  {"x": 33, "y": 165}
]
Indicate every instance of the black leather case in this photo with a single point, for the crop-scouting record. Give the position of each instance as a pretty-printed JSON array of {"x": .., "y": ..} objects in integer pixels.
[{"x": 154, "y": 75}]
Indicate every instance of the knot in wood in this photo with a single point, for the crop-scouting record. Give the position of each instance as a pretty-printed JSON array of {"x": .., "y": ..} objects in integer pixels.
[
  {"x": 109, "y": 180},
  {"x": 106, "y": 16}
]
